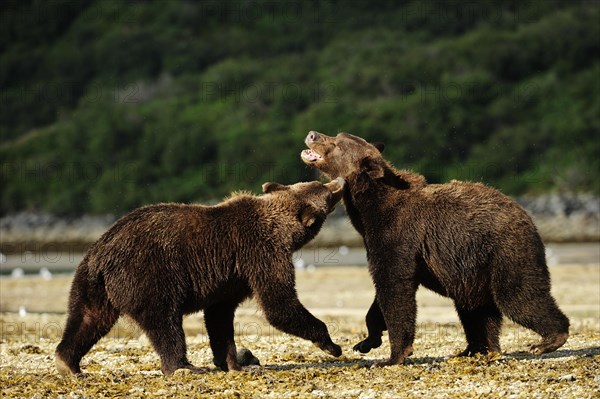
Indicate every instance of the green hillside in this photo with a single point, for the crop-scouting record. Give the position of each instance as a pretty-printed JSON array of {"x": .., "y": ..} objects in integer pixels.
[{"x": 107, "y": 105}]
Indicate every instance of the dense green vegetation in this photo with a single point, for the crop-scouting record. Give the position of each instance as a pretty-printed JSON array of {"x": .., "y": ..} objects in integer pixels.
[{"x": 106, "y": 105}]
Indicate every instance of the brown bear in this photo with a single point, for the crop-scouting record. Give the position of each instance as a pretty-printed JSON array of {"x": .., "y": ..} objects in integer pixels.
[
  {"x": 162, "y": 261},
  {"x": 466, "y": 241}
]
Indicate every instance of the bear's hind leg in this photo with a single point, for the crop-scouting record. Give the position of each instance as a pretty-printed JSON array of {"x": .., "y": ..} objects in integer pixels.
[
  {"x": 219, "y": 325},
  {"x": 91, "y": 316},
  {"x": 538, "y": 312},
  {"x": 165, "y": 332},
  {"x": 482, "y": 328},
  {"x": 83, "y": 329}
]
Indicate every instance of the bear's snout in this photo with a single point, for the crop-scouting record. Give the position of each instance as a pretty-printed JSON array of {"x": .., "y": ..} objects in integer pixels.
[{"x": 312, "y": 137}]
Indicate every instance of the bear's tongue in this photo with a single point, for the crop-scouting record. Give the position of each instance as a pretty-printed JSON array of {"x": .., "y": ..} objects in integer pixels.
[{"x": 310, "y": 156}]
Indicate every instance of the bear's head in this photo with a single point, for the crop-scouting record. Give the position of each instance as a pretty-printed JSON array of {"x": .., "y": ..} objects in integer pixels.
[
  {"x": 308, "y": 204},
  {"x": 343, "y": 155}
]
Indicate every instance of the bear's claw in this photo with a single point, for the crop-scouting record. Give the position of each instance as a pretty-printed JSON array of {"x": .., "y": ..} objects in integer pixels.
[
  {"x": 331, "y": 348},
  {"x": 367, "y": 344}
]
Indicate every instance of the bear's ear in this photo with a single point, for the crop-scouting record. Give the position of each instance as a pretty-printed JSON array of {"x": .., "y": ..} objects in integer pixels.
[
  {"x": 269, "y": 187},
  {"x": 372, "y": 168},
  {"x": 379, "y": 145},
  {"x": 336, "y": 187}
]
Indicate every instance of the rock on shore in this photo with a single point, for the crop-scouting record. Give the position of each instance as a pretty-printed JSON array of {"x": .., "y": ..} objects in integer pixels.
[{"x": 566, "y": 217}]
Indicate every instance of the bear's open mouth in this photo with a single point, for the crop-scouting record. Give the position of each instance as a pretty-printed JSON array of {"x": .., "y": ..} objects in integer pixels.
[{"x": 310, "y": 156}]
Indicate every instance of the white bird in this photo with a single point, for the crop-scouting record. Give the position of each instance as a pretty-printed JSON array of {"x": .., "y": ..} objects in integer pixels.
[
  {"x": 299, "y": 264},
  {"x": 17, "y": 273},
  {"x": 45, "y": 273}
]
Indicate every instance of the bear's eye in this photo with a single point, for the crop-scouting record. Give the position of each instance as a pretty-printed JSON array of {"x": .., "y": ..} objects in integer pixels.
[{"x": 309, "y": 214}]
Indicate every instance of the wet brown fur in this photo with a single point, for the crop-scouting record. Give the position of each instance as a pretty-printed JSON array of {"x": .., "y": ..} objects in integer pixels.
[
  {"x": 466, "y": 241},
  {"x": 160, "y": 262}
]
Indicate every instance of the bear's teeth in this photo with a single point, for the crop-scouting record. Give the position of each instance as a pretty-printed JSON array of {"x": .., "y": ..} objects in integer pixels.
[{"x": 310, "y": 155}]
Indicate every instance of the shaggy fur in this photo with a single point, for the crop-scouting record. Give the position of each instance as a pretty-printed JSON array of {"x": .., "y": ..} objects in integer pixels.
[
  {"x": 162, "y": 261},
  {"x": 466, "y": 241}
]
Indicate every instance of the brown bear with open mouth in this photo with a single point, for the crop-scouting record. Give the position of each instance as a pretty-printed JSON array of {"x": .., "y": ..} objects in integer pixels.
[
  {"x": 160, "y": 262},
  {"x": 466, "y": 241}
]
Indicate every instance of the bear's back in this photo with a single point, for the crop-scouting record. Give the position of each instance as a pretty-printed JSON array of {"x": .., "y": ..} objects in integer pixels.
[
  {"x": 473, "y": 198},
  {"x": 151, "y": 237},
  {"x": 475, "y": 212}
]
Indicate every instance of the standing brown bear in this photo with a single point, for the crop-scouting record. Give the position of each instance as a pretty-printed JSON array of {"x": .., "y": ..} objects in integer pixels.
[
  {"x": 462, "y": 240},
  {"x": 160, "y": 262}
]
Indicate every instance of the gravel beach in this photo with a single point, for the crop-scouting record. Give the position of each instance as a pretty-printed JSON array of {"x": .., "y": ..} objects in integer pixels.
[{"x": 123, "y": 364}]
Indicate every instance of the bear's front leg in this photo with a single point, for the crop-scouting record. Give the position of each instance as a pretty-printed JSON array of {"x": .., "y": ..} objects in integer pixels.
[
  {"x": 397, "y": 300},
  {"x": 277, "y": 296},
  {"x": 293, "y": 318},
  {"x": 375, "y": 327},
  {"x": 164, "y": 329}
]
